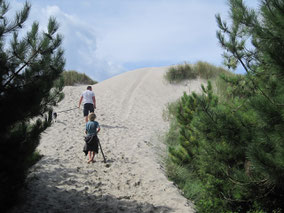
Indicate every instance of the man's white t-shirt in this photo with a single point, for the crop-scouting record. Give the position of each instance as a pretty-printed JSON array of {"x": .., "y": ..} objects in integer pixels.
[{"x": 88, "y": 97}]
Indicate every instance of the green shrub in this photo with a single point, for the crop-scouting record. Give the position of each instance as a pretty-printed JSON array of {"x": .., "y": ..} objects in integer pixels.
[
  {"x": 203, "y": 70},
  {"x": 34, "y": 158}
]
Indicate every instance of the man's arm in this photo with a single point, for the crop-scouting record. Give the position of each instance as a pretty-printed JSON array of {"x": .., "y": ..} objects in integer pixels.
[
  {"x": 80, "y": 101},
  {"x": 94, "y": 101}
]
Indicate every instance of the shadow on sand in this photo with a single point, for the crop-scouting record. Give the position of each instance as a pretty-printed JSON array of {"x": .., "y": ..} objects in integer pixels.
[
  {"x": 113, "y": 127},
  {"x": 51, "y": 196}
]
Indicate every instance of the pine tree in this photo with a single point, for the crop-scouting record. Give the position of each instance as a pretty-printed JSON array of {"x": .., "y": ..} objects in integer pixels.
[
  {"x": 264, "y": 65},
  {"x": 30, "y": 86},
  {"x": 236, "y": 145}
]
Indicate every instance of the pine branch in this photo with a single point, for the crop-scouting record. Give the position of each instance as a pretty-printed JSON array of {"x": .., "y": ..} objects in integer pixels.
[
  {"x": 234, "y": 200},
  {"x": 26, "y": 63},
  {"x": 253, "y": 82},
  {"x": 21, "y": 68},
  {"x": 260, "y": 182}
]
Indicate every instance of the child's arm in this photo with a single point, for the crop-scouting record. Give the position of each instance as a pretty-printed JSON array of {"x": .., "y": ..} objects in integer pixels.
[{"x": 98, "y": 128}]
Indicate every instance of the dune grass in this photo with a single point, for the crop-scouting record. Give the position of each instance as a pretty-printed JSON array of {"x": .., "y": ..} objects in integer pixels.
[
  {"x": 201, "y": 69},
  {"x": 72, "y": 78},
  {"x": 180, "y": 72}
]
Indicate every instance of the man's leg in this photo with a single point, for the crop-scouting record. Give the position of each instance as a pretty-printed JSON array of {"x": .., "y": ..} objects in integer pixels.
[
  {"x": 86, "y": 112},
  {"x": 92, "y": 109},
  {"x": 87, "y": 109}
]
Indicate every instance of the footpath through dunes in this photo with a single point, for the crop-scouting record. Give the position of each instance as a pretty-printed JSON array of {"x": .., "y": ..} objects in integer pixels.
[{"x": 129, "y": 110}]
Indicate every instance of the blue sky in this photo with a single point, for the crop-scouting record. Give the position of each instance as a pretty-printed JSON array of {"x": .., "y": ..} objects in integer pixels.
[{"x": 103, "y": 38}]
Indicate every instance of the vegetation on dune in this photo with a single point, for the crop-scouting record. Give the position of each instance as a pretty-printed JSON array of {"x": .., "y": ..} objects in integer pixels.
[
  {"x": 31, "y": 84},
  {"x": 72, "y": 78},
  {"x": 179, "y": 73},
  {"x": 201, "y": 69},
  {"x": 226, "y": 151}
]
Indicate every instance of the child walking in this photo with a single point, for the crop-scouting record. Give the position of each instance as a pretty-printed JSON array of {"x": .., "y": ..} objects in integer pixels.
[{"x": 92, "y": 140}]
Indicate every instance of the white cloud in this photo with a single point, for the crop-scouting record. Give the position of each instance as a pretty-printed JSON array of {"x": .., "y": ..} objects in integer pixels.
[
  {"x": 104, "y": 38},
  {"x": 159, "y": 31},
  {"x": 79, "y": 40}
]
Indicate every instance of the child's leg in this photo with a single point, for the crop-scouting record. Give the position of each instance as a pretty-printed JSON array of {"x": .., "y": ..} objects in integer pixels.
[
  {"x": 93, "y": 155},
  {"x": 90, "y": 156}
]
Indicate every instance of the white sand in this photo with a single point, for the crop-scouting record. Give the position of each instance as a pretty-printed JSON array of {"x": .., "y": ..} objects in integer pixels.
[{"x": 129, "y": 110}]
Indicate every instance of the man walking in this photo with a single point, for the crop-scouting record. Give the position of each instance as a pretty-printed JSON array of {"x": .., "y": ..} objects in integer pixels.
[{"x": 89, "y": 101}]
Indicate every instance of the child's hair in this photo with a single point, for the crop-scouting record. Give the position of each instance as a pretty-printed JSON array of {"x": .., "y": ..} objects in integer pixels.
[{"x": 92, "y": 116}]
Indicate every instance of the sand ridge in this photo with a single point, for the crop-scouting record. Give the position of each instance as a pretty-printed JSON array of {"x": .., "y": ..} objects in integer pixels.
[{"x": 129, "y": 110}]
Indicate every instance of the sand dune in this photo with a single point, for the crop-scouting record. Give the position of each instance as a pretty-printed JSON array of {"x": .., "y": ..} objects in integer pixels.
[{"x": 129, "y": 110}]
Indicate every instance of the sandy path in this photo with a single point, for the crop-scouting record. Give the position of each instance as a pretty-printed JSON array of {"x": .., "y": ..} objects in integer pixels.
[{"x": 129, "y": 110}]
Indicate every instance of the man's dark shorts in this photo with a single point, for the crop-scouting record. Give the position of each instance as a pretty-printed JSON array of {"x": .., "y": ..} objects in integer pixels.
[{"x": 88, "y": 108}]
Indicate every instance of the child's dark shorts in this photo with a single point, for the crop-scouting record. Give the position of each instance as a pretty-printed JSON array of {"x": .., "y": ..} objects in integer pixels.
[
  {"x": 92, "y": 144},
  {"x": 88, "y": 108}
]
